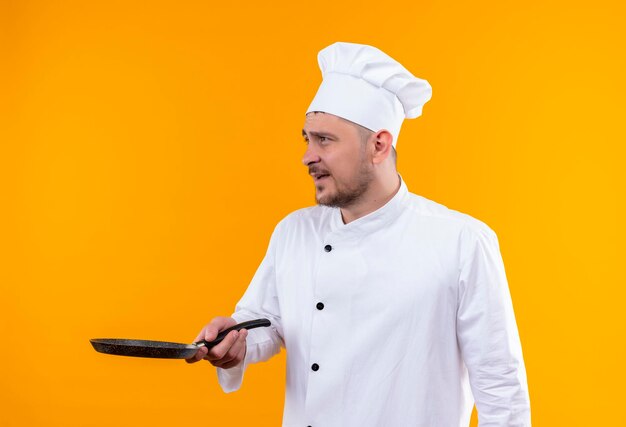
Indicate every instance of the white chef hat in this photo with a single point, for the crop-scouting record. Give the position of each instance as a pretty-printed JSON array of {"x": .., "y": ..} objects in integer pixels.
[{"x": 368, "y": 87}]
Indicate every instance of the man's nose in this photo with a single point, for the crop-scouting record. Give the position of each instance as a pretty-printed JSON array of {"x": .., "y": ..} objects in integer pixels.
[{"x": 310, "y": 156}]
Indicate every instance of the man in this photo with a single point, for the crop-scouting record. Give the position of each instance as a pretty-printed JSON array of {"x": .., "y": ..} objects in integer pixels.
[{"x": 394, "y": 310}]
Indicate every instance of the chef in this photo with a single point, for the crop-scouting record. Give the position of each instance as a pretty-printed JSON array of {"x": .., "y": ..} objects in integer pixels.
[{"x": 394, "y": 310}]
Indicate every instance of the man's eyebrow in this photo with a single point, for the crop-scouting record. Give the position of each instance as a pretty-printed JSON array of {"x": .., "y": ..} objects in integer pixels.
[{"x": 319, "y": 134}]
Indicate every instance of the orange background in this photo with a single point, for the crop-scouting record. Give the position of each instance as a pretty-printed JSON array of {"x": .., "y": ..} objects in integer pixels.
[{"x": 147, "y": 149}]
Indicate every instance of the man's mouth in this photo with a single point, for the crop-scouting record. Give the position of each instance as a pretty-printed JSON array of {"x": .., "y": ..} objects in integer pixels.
[{"x": 318, "y": 175}]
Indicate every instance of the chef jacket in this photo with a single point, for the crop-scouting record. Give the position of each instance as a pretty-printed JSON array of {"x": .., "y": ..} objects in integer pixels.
[{"x": 400, "y": 318}]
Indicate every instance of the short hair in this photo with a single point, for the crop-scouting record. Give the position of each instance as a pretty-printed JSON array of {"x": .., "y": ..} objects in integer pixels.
[{"x": 365, "y": 135}]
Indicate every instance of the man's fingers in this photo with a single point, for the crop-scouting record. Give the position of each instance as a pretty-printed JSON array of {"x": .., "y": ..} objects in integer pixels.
[
  {"x": 211, "y": 330},
  {"x": 235, "y": 354},
  {"x": 220, "y": 350},
  {"x": 209, "y": 333},
  {"x": 235, "y": 351},
  {"x": 200, "y": 354}
]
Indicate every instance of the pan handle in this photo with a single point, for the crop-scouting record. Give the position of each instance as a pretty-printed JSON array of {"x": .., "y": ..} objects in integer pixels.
[{"x": 250, "y": 324}]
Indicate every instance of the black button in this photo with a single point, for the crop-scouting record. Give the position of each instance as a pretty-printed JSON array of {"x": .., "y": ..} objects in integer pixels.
[
  {"x": 328, "y": 248},
  {"x": 320, "y": 306},
  {"x": 315, "y": 366}
]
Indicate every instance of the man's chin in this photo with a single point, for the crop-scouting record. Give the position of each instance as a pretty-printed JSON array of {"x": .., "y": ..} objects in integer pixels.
[
  {"x": 322, "y": 197},
  {"x": 326, "y": 199}
]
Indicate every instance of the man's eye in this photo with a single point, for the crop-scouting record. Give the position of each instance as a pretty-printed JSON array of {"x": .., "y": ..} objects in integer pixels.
[{"x": 322, "y": 138}]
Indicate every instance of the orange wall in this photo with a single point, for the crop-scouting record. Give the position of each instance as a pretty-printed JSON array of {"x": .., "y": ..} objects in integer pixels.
[{"x": 147, "y": 149}]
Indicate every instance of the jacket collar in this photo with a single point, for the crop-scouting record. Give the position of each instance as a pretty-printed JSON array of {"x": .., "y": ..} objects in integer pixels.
[{"x": 373, "y": 221}]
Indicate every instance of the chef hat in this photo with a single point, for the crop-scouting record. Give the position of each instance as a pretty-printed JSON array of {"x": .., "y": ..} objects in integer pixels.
[{"x": 368, "y": 87}]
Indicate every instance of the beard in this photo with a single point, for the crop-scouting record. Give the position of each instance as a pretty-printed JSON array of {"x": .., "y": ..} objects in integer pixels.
[{"x": 348, "y": 194}]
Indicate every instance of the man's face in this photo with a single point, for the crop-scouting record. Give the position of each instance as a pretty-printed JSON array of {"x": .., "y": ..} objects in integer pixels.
[{"x": 337, "y": 160}]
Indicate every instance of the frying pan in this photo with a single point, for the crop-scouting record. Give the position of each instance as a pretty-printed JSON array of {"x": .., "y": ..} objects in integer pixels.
[{"x": 164, "y": 349}]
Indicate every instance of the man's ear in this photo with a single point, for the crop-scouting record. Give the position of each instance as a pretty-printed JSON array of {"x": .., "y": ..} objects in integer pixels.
[{"x": 382, "y": 146}]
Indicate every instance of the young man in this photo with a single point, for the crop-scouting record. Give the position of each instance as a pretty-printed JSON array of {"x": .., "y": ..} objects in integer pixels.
[{"x": 394, "y": 310}]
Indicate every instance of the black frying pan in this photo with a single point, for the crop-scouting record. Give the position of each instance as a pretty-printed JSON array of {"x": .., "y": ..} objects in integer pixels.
[{"x": 163, "y": 349}]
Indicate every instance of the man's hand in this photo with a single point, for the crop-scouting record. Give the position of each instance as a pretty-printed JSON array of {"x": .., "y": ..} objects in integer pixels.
[{"x": 227, "y": 354}]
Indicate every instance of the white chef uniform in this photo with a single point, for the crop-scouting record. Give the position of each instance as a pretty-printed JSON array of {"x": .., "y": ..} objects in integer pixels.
[{"x": 400, "y": 318}]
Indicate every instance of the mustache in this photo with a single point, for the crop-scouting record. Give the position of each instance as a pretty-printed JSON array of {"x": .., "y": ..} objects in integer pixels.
[{"x": 318, "y": 171}]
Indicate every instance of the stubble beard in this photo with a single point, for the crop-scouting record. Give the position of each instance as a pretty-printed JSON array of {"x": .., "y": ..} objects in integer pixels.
[{"x": 346, "y": 197}]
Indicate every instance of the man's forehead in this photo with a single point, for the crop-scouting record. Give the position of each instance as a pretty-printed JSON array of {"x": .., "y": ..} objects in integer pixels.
[{"x": 315, "y": 125}]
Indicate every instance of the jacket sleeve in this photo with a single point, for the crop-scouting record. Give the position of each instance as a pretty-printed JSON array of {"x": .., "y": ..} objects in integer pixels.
[
  {"x": 259, "y": 301},
  {"x": 487, "y": 333}
]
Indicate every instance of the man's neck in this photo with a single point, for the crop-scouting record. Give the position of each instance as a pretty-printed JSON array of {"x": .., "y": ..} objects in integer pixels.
[{"x": 376, "y": 197}]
